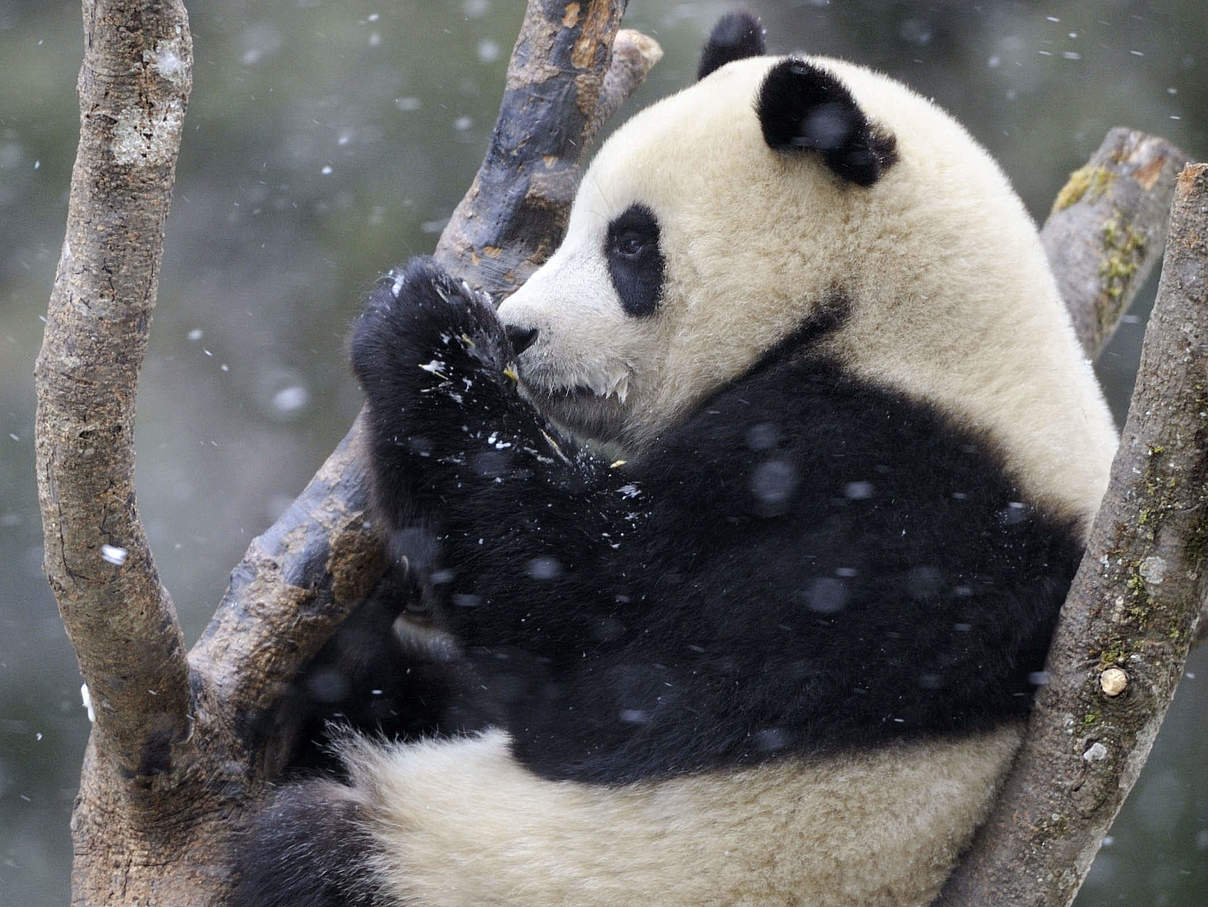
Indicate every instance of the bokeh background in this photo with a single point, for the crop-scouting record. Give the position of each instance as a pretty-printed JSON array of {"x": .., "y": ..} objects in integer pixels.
[{"x": 327, "y": 140}]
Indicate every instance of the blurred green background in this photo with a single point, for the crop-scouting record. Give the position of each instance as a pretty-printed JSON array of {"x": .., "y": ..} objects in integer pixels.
[{"x": 328, "y": 140}]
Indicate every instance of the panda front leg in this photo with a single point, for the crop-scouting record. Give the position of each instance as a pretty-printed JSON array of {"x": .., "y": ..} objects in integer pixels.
[
  {"x": 463, "y": 464},
  {"x": 471, "y": 481},
  {"x": 432, "y": 358}
]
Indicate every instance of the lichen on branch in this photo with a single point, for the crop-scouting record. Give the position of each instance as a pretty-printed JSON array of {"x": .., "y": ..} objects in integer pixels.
[{"x": 1107, "y": 228}]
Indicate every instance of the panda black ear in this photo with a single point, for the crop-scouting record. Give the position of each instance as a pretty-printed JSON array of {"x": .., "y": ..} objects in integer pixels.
[
  {"x": 803, "y": 107},
  {"x": 736, "y": 36}
]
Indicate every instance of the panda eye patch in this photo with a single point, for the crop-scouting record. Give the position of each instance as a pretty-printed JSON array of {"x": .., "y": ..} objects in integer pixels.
[{"x": 635, "y": 262}]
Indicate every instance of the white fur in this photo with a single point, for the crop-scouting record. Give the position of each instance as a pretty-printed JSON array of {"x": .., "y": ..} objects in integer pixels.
[
  {"x": 461, "y": 823},
  {"x": 953, "y": 301}
]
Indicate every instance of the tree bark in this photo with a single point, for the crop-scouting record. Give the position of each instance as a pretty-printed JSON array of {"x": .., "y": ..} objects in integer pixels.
[
  {"x": 176, "y": 760},
  {"x": 133, "y": 87},
  {"x": 1131, "y": 614}
]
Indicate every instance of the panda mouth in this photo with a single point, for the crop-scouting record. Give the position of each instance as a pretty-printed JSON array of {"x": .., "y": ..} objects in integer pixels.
[
  {"x": 599, "y": 385},
  {"x": 582, "y": 391},
  {"x": 590, "y": 405}
]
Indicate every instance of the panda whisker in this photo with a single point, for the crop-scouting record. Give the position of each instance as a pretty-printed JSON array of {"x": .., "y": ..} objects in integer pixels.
[{"x": 593, "y": 180}]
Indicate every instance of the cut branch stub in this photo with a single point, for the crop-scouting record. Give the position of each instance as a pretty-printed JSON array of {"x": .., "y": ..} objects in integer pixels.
[
  {"x": 1107, "y": 228},
  {"x": 1132, "y": 611},
  {"x": 633, "y": 56},
  {"x": 133, "y": 88}
]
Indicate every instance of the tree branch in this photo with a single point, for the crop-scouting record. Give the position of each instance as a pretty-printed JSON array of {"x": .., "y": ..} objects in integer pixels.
[
  {"x": 1131, "y": 614},
  {"x": 496, "y": 247},
  {"x": 1107, "y": 229},
  {"x": 133, "y": 88}
]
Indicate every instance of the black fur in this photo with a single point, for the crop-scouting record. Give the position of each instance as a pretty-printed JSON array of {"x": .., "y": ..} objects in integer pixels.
[
  {"x": 803, "y": 107},
  {"x": 635, "y": 262},
  {"x": 809, "y": 563},
  {"x": 306, "y": 849},
  {"x": 520, "y": 338},
  {"x": 736, "y": 36},
  {"x": 370, "y": 678}
]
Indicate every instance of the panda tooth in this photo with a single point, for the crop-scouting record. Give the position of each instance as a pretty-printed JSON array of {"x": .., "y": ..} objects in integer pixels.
[{"x": 618, "y": 386}]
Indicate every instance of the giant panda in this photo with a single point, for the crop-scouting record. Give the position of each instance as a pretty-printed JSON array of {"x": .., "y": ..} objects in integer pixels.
[{"x": 751, "y": 512}]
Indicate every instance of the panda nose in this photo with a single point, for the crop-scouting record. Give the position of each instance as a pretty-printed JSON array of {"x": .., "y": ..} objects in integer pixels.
[{"x": 520, "y": 338}]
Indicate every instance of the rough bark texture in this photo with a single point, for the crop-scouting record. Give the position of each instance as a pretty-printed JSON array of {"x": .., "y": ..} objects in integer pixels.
[
  {"x": 1131, "y": 614},
  {"x": 1107, "y": 227}
]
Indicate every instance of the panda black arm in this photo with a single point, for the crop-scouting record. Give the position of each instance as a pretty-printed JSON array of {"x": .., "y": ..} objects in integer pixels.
[
  {"x": 432, "y": 359},
  {"x": 822, "y": 564},
  {"x": 469, "y": 478}
]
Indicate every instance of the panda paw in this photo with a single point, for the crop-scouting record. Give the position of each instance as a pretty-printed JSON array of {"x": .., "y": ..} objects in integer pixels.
[{"x": 423, "y": 331}]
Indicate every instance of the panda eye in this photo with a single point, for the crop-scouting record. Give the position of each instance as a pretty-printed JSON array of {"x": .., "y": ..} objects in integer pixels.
[{"x": 630, "y": 244}]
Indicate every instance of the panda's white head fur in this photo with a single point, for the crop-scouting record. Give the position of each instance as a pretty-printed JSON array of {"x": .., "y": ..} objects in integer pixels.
[{"x": 779, "y": 193}]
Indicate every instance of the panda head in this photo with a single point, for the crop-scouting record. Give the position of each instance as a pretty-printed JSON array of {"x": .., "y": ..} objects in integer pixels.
[{"x": 811, "y": 206}]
